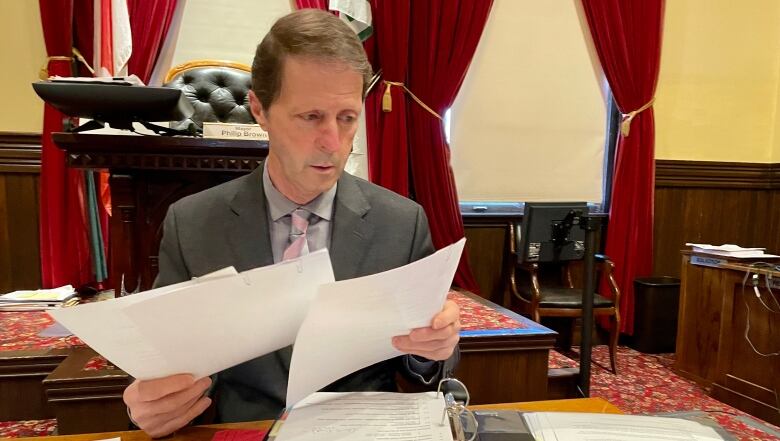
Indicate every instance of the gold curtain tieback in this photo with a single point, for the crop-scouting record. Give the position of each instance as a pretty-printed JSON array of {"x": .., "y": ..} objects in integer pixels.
[
  {"x": 44, "y": 72},
  {"x": 387, "y": 99},
  {"x": 625, "y": 124}
]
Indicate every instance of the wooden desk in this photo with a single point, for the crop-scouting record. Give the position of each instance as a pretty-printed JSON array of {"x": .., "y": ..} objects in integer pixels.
[
  {"x": 205, "y": 433},
  {"x": 21, "y": 389},
  {"x": 711, "y": 345},
  {"x": 504, "y": 365}
]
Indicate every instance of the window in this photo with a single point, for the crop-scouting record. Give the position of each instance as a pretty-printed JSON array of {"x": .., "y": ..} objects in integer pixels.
[{"x": 529, "y": 121}]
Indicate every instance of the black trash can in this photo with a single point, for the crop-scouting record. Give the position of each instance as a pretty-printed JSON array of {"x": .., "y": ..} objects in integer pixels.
[{"x": 656, "y": 303}]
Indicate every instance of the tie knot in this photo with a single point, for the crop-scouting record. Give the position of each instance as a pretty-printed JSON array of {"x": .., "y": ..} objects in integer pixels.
[{"x": 299, "y": 221}]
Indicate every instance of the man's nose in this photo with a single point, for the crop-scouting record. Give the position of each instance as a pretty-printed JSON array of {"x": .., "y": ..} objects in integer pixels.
[{"x": 329, "y": 135}]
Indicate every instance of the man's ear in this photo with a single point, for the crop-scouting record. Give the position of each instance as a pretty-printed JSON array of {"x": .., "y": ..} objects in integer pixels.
[{"x": 257, "y": 110}]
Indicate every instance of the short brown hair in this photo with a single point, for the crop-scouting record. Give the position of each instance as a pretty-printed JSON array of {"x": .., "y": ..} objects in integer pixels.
[{"x": 308, "y": 33}]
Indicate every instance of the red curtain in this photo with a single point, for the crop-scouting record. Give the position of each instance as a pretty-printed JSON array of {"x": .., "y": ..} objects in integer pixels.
[
  {"x": 149, "y": 24},
  {"x": 627, "y": 36},
  {"x": 313, "y": 4},
  {"x": 388, "y": 140},
  {"x": 445, "y": 34},
  {"x": 63, "y": 228}
]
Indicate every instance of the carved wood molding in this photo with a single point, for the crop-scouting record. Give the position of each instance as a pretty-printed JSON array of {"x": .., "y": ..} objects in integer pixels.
[
  {"x": 712, "y": 174},
  {"x": 162, "y": 162},
  {"x": 20, "y": 152}
]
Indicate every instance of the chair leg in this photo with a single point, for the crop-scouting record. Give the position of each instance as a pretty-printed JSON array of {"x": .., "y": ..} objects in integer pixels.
[{"x": 614, "y": 333}]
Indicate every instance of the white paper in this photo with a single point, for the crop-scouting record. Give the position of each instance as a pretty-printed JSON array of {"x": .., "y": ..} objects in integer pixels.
[
  {"x": 565, "y": 426},
  {"x": 351, "y": 323},
  {"x": 364, "y": 416},
  {"x": 205, "y": 325},
  {"x": 730, "y": 250}
]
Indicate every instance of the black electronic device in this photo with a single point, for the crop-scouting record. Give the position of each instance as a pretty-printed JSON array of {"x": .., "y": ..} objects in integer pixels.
[
  {"x": 118, "y": 105},
  {"x": 550, "y": 232}
]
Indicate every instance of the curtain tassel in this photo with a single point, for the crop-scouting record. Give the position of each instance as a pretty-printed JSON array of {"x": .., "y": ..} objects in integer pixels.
[{"x": 387, "y": 100}]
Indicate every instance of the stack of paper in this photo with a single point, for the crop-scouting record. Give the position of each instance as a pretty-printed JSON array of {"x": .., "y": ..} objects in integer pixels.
[
  {"x": 232, "y": 317},
  {"x": 566, "y": 426},
  {"x": 367, "y": 416},
  {"x": 39, "y": 299},
  {"x": 730, "y": 250},
  {"x": 237, "y": 317}
]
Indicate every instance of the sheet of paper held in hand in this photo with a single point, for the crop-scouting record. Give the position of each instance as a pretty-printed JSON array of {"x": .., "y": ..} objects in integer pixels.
[
  {"x": 369, "y": 416},
  {"x": 204, "y": 325},
  {"x": 351, "y": 323}
]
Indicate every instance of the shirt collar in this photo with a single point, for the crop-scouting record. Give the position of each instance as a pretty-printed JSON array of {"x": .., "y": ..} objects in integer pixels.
[{"x": 279, "y": 206}]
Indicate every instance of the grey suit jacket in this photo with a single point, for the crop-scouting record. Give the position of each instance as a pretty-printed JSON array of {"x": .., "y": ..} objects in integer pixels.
[{"x": 373, "y": 230}]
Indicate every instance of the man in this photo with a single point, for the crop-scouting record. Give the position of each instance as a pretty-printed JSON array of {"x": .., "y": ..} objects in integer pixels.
[{"x": 309, "y": 78}]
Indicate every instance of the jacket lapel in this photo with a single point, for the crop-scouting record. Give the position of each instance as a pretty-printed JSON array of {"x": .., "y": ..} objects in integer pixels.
[
  {"x": 351, "y": 233},
  {"x": 248, "y": 230}
]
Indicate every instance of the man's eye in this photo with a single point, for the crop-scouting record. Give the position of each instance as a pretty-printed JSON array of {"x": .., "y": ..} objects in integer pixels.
[
  {"x": 348, "y": 118},
  {"x": 310, "y": 116}
]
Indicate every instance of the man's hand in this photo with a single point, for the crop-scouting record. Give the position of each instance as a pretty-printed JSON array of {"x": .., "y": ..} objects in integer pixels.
[
  {"x": 161, "y": 406},
  {"x": 436, "y": 342}
]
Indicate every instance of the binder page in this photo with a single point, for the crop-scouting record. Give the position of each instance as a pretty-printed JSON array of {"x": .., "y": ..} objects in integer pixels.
[
  {"x": 566, "y": 426},
  {"x": 367, "y": 416},
  {"x": 351, "y": 323}
]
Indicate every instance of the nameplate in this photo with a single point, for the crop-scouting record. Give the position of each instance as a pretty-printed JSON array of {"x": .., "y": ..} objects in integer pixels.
[
  {"x": 234, "y": 131},
  {"x": 708, "y": 261}
]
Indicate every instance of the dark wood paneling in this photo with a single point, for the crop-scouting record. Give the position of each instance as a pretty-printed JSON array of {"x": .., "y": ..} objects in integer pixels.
[
  {"x": 20, "y": 155},
  {"x": 714, "y": 202},
  {"x": 488, "y": 251},
  {"x": 711, "y": 174},
  {"x": 20, "y": 152}
]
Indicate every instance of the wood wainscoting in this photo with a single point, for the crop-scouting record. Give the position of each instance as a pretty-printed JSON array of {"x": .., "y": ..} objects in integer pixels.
[
  {"x": 695, "y": 201},
  {"x": 716, "y": 203},
  {"x": 20, "y": 167}
]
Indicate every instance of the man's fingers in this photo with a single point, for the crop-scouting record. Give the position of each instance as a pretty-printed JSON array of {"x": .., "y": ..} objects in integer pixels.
[
  {"x": 178, "y": 401},
  {"x": 182, "y": 420},
  {"x": 432, "y": 349},
  {"x": 448, "y": 315},
  {"x": 427, "y": 334},
  {"x": 150, "y": 390}
]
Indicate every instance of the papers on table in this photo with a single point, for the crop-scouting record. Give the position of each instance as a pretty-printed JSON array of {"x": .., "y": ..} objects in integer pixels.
[
  {"x": 131, "y": 80},
  {"x": 730, "y": 250},
  {"x": 371, "y": 310},
  {"x": 368, "y": 416},
  {"x": 569, "y": 426},
  {"x": 204, "y": 325},
  {"x": 33, "y": 300}
]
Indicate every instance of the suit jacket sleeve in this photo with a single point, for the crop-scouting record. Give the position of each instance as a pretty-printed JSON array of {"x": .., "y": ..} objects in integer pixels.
[{"x": 427, "y": 373}]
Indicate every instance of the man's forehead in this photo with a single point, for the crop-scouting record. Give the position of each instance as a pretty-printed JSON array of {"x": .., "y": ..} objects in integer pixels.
[{"x": 306, "y": 75}]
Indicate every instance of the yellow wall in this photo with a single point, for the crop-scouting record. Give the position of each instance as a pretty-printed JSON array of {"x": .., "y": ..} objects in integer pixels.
[
  {"x": 717, "y": 96},
  {"x": 22, "y": 52}
]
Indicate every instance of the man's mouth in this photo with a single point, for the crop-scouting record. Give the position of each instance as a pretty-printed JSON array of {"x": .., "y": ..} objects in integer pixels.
[{"x": 322, "y": 167}]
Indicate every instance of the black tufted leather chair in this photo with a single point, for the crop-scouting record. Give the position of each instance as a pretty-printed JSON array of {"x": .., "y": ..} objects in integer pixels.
[
  {"x": 557, "y": 297},
  {"x": 218, "y": 91}
]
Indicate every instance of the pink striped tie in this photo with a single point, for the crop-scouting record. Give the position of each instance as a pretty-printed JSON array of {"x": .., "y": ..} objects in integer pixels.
[{"x": 298, "y": 246}]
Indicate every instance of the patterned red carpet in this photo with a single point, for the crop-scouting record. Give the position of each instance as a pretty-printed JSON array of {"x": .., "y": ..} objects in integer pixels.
[{"x": 645, "y": 384}]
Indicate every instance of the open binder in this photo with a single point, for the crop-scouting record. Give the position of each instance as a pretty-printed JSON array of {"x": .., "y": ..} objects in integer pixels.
[{"x": 346, "y": 416}]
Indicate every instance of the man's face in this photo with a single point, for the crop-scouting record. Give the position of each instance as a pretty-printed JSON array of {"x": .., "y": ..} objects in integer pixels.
[{"x": 311, "y": 125}]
